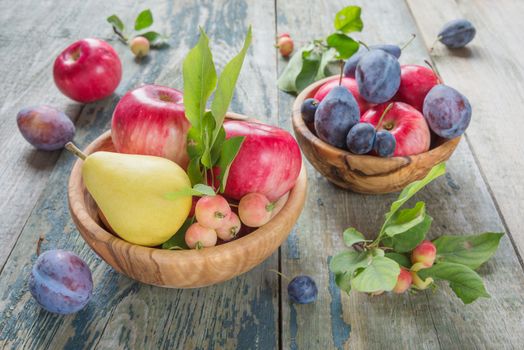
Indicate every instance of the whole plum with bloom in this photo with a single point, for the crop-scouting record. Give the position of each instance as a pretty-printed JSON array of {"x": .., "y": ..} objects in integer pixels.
[
  {"x": 447, "y": 111},
  {"x": 198, "y": 236},
  {"x": 378, "y": 76},
  {"x": 351, "y": 85},
  {"x": 415, "y": 83},
  {"x": 361, "y": 138},
  {"x": 212, "y": 211},
  {"x": 405, "y": 123},
  {"x": 87, "y": 70},
  {"x": 336, "y": 115},
  {"x": 151, "y": 120},
  {"x": 385, "y": 144},
  {"x": 351, "y": 63},
  {"x": 392, "y": 49},
  {"x": 457, "y": 33},
  {"x": 45, "y": 127},
  {"x": 268, "y": 162},
  {"x": 255, "y": 209},
  {"x": 229, "y": 228},
  {"x": 308, "y": 109},
  {"x": 61, "y": 282},
  {"x": 139, "y": 46},
  {"x": 302, "y": 290},
  {"x": 425, "y": 253},
  {"x": 404, "y": 281}
]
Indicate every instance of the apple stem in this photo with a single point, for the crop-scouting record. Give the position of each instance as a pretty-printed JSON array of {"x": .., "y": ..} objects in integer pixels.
[
  {"x": 280, "y": 274},
  {"x": 439, "y": 78},
  {"x": 71, "y": 147},
  {"x": 413, "y": 36},
  {"x": 341, "y": 72},
  {"x": 383, "y": 115},
  {"x": 363, "y": 44}
]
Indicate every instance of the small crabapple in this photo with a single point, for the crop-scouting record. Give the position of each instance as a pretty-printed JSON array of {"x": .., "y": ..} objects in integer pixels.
[
  {"x": 139, "y": 46},
  {"x": 285, "y": 46},
  {"x": 425, "y": 253},
  {"x": 212, "y": 211},
  {"x": 198, "y": 236},
  {"x": 403, "y": 281},
  {"x": 230, "y": 228},
  {"x": 255, "y": 209}
]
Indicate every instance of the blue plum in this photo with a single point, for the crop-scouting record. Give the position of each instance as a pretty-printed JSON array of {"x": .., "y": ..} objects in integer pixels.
[
  {"x": 302, "y": 290},
  {"x": 351, "y": 63},
  {"x": 394, "y": 50},
  {"x": 61, "y": 282},
  {"x": 385, "y": 143},
  {"x": 378, "y": 76},
  {"x": 45, "y": 127},
  {"x": 361, "y": 138},
  {"x": 308, "y": 109},
  {"x": 336, "y": 115},
  {"x": 447, "y": 111},
  {"x": 457, "y": 33}
]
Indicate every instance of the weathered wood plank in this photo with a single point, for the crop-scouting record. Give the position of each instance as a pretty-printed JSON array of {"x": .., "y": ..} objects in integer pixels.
[
  {"x": 240, "y": 313},
  {"x": 490, "y": 72},
  {"x": 460, "y": 203}
]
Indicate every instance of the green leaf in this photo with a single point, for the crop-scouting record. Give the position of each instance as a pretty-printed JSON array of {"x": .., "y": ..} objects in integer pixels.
[
  {"x": 348, "y": 20},
  {"x": 343, "y": 281},
  {"x": 286, "y": 81},
  {"x": 204, "y": 190},
  {"x": 230, "y": 149},
  {"x": 310, "y": 66},
  {"x": 327, "y": 57},
  {"x": 197, "y": 190},
  {"x": 194, "y": 172},
  {"x": 405, "y": 220},
  {"x": 352, "y": 236},
  {"x": 195, "y": 146},
  {"x": 116, "y": 22},
  {"x": 411, "y": 189},
  {"x": 408, "y": 240},
  {"x": 217, "y": 145},
  {"x": 344, "y": 45},
  {"x": 144, "y": 20},
  {"x": 401, "y": 259},
  {"x": 348, "y": 262},
  {"x": 226, "y": 85},
  {"x": 155, "y": 39},
  {"x": 200, "y": 79},
  {"x": 208, "y": 126},
  {"x": 178, "y": 240},
  {"x": 380, "y": 275},
  {"x": 472, "y": 251},
  {"x": 465, "y": 282}
]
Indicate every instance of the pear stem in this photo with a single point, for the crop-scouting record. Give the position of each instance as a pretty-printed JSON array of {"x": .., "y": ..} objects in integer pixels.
[{"x": 71, "y": 147}]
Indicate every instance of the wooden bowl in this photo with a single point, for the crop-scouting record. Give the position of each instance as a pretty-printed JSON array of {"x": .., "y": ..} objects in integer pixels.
[
  {"x": 178, "y": 268},
  {"x": 363, "y": 173}
]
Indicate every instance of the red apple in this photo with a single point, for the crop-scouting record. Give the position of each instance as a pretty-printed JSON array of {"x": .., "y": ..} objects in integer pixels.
[
  {"x": 88, "y": 70},
  {"x": 415, "y": 83},
  {"x": 150, "y": 120},
  {"x": 408, "y": 126},
  {"x": 268, "y": 162},
  {"x": 351, "y": 85}
]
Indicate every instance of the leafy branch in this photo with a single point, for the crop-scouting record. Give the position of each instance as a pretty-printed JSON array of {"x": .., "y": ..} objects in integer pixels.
[
  {"x": 143, "y": 21},
  {"x": 377, "y": 264}
]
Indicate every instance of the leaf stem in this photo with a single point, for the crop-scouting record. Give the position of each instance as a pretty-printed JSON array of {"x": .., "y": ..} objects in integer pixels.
[{"x": 120, "y": 35}]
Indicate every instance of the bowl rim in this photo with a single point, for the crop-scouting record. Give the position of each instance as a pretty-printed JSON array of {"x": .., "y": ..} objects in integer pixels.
[
  {"x": 300, "y": 126},
  {"x": 81, "y": 217}
]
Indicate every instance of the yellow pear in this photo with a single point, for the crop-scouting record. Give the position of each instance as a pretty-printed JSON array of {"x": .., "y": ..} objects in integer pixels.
[{"x": 130, "y": 191}]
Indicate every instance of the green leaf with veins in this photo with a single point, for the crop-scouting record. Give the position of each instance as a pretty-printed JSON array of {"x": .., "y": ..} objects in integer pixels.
[
  {"x": 405, "y": 220},
  {"x": 344, "y": 45},
  {"x": 208, "y": 126},
  {"x": 144, "y": 20},
  {"x": 348, "y": 20},
  {"x": 471, "y": 251},
  {"x": 401, "y": 259},
  {"x": 352, "y": 236},
  {"x": 197, "y": 190},
  {"x": 217, "y": 145},
  {"x": 343, "y": 281},
  {"x": 323, "y": 70},
  {"x": 230, "y": 149},
  {"x": 380, "y": 275},
  {"x": 310, "y": 67},
  {"x": 226, "y": 85},
  {"x": 200, "y": 79},
  {"x": 155, "y": 39},
  {"x": 349, "y": 261},
  {"x": 465, "y": 282},
  {"x": 287, "y": 80},
  {"x": 116, "y": 22},
  {"x": 408, "y": 240},
  {"x": 193, "y": 171}
]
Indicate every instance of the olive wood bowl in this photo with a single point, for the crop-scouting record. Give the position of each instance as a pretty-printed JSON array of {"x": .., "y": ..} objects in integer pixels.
[
  {"x": 364, "y": 173},
  {"x": 179, "y": 268}
]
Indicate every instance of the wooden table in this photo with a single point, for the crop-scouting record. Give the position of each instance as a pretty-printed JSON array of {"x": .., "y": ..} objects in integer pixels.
[{"x": 482, "y": 191}]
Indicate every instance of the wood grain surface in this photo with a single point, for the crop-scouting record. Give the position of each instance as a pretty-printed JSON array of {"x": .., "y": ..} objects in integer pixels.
[{"x": 482, "y": 190}]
